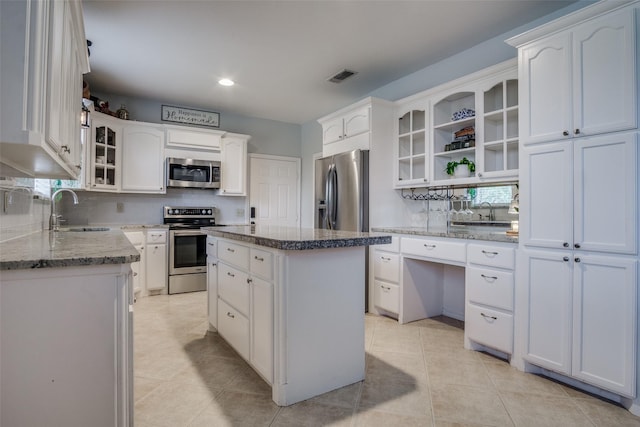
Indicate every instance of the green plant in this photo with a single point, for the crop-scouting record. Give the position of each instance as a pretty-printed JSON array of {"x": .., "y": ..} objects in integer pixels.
[{"x": 451, "y": 166}]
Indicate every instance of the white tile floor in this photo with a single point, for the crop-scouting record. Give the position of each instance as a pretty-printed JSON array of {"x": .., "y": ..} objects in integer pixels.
[{"x": 417, "y": 375}]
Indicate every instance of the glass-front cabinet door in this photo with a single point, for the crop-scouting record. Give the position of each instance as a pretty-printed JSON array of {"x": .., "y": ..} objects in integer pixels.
[
  {"x": 104, "y": 159},
  {"x": 500, "y": 130},
  {"x": 412, "y": 165}
]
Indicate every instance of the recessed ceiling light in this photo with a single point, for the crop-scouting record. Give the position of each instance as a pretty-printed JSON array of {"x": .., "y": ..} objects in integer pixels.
[{"x": 226, "y": 82}]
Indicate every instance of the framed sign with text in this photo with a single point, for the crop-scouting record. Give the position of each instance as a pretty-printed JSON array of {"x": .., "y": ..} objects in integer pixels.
[{"x": 190, "y": 116}]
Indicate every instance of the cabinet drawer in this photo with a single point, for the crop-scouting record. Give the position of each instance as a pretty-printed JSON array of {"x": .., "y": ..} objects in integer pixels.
[
  {"x": 386, "y": 266},
  {"x": 233, "y": 287},
  {"x": 489, "y": 287},
  {"x": 489, "y": 327},
  {"x": 394, "y": 246},
  {"x": 234, "y": 327},
  {"x": 235, "y": 254},
  {"x": 212, "y": 246},
  {"x": 261, "y": 263},
  {"x": 448, "y": 251},
  {"x": 387, "y": 296},
  {"x": 156, "y": 236},
  {"x": 492, "y": 256}
]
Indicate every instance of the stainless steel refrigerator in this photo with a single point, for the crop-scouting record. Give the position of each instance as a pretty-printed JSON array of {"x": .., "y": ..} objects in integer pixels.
[{"x": 342, "y": 191}]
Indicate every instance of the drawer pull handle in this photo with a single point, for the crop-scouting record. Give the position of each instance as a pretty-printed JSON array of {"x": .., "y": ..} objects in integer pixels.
[
  {"x": 489, "y": 253},
  {"x": 386, "y": 288},
  {"x": 488, "y": 317},
  {"x": 230, "y": 250},
  {"x": 230, "y": 315},
  {"x": 384, "y": 258},
  {"x": 429, "y": 246},
  {"x": 257, "y": 258},
  {"x": 489, "y": 277},
  {"x": 230, "y": 274},
  {"x": 210, "y": 244}
]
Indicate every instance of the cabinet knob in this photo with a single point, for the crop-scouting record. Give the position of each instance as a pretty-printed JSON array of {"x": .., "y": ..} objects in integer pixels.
[
  {"x": 480, "y": 175},
  {"x": 576, "y": 259},
  {"x": 576, "y": 245},
  {"x": 576, "y": 132},
  {"x": 249, "y": 280},
  {"x": 565, "y": 259},
  {"x": 565, "y": 133},
  {"x": 565, "y": 244},
  {"x": 65, "y": 149}
]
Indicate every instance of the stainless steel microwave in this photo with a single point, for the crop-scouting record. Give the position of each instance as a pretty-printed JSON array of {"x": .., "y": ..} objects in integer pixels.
[{"x": 192, "y": 173}]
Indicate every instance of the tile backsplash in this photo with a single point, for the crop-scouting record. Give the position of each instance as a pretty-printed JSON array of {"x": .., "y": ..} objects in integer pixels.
[{"x": 21, "y": 213}]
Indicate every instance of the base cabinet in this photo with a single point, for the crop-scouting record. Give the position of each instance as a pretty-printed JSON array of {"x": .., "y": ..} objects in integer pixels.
[
  {"x": 66, "y": 347},
  {"x": 156, "y": 274},
  {"x": 581, "y": 316}
]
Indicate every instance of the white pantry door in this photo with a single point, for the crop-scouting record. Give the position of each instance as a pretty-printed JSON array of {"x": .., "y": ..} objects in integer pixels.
[{"x": 274, "y": 190}]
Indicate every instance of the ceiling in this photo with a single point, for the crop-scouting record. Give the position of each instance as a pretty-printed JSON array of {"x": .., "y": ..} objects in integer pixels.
[{"x": 281, "y": 53}]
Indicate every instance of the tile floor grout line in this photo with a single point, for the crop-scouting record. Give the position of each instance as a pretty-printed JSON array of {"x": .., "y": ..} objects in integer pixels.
[{"x": 426, "y": 368}]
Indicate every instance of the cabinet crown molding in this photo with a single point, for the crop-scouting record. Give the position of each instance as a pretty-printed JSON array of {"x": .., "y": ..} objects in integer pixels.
[{"x": 569, "y": 20}]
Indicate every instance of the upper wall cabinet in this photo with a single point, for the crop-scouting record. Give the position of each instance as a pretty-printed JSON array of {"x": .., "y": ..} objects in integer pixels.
[
  {"x": 474, "y": 117},
  {"x": 233, "y": 165},
  {"x": 580, "y": 81},
  {"x": 193, "y": 138},
  {"x": 347, "y": 129},
  {"x": 142, "y": 158},
  {"x": 42, "y": 58}
]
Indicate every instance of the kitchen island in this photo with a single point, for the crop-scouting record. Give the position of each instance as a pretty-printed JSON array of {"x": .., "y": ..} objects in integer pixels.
[
  {"x": 66, "y": 329},
  {"x": 291, "y": 302}
]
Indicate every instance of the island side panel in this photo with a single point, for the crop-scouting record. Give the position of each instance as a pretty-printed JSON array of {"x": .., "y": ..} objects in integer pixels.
[{"x": 319, "y": 322}]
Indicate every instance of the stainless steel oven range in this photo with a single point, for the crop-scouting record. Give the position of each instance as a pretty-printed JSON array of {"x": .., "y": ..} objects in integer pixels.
[{"x": 188, "y": 247}]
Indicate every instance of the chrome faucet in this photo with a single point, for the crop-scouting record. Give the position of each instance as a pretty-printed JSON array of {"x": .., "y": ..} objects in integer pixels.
[
  {"x": 492, "y": 215},
  {"x": 53, "y": 218}
]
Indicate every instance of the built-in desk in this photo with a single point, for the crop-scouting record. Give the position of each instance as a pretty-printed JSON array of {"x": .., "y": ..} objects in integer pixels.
[{"x": 420, "y": 276}]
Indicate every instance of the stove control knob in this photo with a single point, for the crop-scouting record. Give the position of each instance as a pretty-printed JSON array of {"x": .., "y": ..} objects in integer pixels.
[
  {"x": 209, "y": 211},
  {"x": 170, "y": 211},
  {"x": 204, "y": 211}
]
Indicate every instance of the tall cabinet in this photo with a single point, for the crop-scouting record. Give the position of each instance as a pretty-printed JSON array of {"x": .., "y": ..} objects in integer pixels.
[{"x": 576, "y": 294}]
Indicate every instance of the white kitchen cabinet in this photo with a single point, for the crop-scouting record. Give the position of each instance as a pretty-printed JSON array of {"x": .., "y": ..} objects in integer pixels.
[
  {"x": 138, "y": 268},
  {"x": 104, "y": 158},
  {"x": 193, "y": 138},
  {"x": 142, "y": 159},
  {"x": 581, "y": 194},
  {"x": 66, "y": 343},
  {"x": 261, "y": 333},
  {"x": 581, "y": 316},
  {"x": 212, "y": 282},
  {"x": 581, "y": 81},
  {"x": 385, "y": 282},
  {"x": 156, "y": 260},
  {"x": 489, "y": 296},
  {"x": 346, "y": 125},
  {"x": 41, "y": 93},
  {"x": 233, "y": 180},
  {"x": 412, "y": 166},
  {"x": 244, "y": 288}
]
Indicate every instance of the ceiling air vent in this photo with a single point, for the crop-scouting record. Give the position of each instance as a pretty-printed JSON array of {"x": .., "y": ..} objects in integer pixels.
[{"x": 342, "y": 76}]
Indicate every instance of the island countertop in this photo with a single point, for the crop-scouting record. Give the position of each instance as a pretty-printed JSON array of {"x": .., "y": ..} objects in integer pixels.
[
  {"x": 295, "y": 238},
  {"x": 47, "y": 249}
]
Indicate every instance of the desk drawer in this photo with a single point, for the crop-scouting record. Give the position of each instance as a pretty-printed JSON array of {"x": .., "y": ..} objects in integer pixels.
[
  {"x": 489, "y": 327},
  {"x": 234, "y": 327},
  {"x": 447, "y": 251},
  {"x": 157, "y": 236},
  {"x": 233, "y": 287},
  {"x": 233, "y": 253},
  {"x": 394, "y": 246},
  {"x": 492, "y": 256},
  {"x": 387, "y": 296},
  {"x": 261, "y": 263},
  {"x": 386, "y": 266},
  {"x": 489, "y": 287}
]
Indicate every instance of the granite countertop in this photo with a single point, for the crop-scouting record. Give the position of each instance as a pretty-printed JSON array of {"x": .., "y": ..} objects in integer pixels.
[
  {"x": 47, "y": 249},
  {"x": 294, "y": 238},
  {"x": 492, "y": 236}
]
